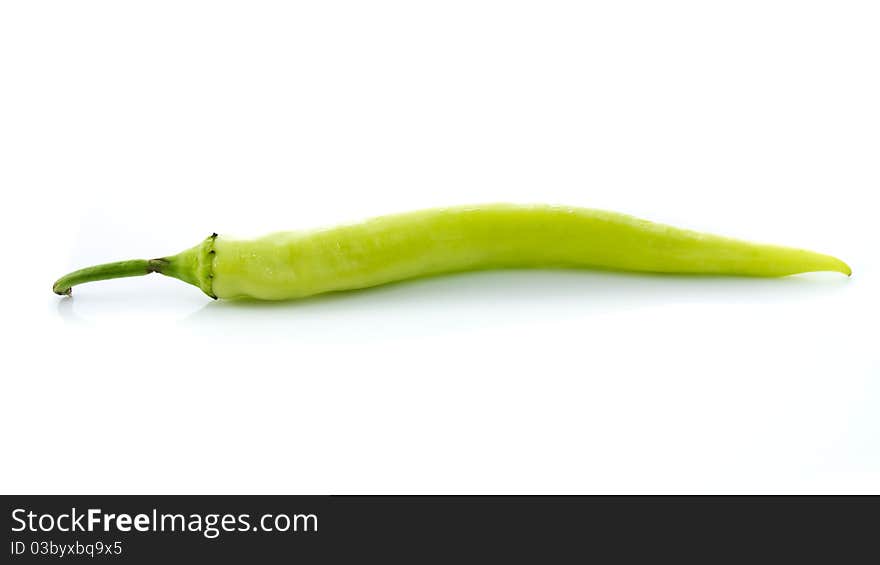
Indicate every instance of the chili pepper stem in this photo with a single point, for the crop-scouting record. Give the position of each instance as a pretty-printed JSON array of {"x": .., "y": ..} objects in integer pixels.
[
  {"x": 116, "y": 270},
  {"x": 193, "y": 266}
]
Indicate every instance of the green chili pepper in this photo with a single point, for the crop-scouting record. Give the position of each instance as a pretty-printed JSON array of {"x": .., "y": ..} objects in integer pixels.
[{"x": 448, "y": 240}]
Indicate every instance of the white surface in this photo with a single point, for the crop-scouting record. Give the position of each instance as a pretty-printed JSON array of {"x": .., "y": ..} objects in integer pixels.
[{"x": 135, "y": 130}]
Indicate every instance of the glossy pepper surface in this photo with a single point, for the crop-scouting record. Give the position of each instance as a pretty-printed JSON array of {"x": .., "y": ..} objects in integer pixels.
[{"x": 295, "y": 264}]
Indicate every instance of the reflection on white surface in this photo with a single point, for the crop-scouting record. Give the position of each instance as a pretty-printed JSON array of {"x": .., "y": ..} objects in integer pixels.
[
  {"x": 475, "y": 301},
  {"x": 609, "y": 382}
]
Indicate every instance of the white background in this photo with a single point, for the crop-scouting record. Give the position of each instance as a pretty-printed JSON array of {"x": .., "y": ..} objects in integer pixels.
[{"x": 133, "y": 130}]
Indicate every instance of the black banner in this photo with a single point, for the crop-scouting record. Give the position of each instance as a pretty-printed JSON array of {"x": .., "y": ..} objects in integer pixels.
[{"x": 276, "y": 529}]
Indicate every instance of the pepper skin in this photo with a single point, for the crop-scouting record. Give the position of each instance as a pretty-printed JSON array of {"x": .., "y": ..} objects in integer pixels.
[{"x": 289, "y": 265}]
